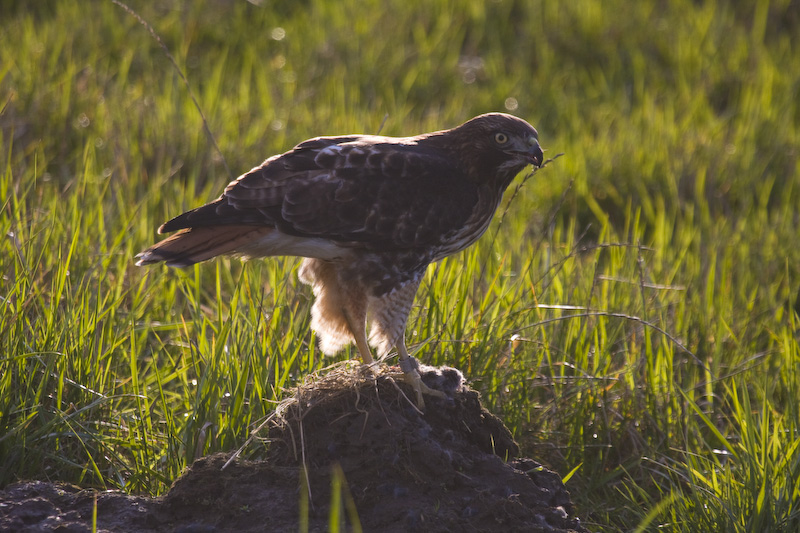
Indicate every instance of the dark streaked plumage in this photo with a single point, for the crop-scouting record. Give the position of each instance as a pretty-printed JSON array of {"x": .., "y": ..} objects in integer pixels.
[{"x": 369, "y": 214}]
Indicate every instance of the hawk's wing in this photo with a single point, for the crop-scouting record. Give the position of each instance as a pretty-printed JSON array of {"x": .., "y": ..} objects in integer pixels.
[{"x": 365, "y": 191}]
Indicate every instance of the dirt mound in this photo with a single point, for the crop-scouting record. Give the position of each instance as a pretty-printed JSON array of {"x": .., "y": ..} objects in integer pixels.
[{"x": 397, "y": 470}]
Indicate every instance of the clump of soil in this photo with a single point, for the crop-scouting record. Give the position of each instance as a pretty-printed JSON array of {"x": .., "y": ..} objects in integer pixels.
[{"x": 451, "y": 468}]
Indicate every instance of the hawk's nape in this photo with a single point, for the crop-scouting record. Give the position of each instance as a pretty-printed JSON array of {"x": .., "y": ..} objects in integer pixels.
[{"x": 369, "y": 214}]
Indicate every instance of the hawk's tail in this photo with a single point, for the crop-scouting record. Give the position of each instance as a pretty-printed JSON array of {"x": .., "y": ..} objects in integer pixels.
[{"x": 193, "y": 245}]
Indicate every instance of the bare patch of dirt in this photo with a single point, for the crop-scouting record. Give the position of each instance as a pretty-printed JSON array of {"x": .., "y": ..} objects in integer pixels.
[{"x": 453, "y": 468}]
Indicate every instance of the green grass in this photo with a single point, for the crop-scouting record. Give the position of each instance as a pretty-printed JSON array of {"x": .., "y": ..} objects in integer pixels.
[{"x": 632, "y": 315}]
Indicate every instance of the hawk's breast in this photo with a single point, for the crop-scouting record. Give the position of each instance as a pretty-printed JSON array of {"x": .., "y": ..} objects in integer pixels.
[{"x": 473, "y": 228}]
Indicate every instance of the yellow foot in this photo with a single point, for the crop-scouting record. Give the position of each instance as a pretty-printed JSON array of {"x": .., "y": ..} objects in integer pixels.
[{"x": 411, "y": 376}]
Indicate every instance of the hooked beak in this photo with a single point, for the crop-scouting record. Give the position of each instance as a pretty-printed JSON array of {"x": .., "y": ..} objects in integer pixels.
[{"x": 530, "y": 151}]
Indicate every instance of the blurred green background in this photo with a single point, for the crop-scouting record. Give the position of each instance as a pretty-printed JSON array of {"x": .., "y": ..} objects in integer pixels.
[{"x": 632, "y": 314}]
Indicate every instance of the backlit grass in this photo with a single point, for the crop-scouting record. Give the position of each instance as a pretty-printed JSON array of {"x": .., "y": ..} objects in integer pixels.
[{"x": 631, "y": 315}]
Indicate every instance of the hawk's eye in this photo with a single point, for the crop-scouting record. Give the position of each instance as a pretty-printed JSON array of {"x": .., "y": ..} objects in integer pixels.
[{"x": 500, "y": 138}]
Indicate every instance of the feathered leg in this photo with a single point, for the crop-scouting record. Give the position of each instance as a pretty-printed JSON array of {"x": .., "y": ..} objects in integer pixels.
[
  {"x": 389, "y": 315},
  {"x": 339, "y": 313},
  {"x": 339, "y": 316}
]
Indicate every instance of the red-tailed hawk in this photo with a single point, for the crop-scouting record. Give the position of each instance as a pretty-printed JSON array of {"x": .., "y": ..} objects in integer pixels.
[{"x": 369, "y": 214}]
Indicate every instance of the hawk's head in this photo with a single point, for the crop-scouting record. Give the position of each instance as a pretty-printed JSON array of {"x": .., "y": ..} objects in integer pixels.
[{"x": 494, "y": 147}]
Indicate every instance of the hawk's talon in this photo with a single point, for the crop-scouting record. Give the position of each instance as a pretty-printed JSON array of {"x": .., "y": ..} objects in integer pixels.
[{"x": 415, "y": 381}]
